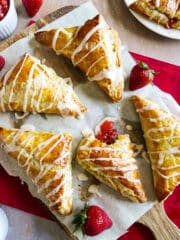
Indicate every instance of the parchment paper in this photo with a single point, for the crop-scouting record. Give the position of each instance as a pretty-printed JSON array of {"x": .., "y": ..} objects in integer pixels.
[{"x": 122, "y": 211}]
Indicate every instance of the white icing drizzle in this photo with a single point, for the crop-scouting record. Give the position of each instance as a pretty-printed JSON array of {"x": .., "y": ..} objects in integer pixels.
[
  {"x": 104, "y": 149},
  {"x": 129, "y": 176},
  {"x": 39, "y": 83},
  {"x": 28, "y": 86},
  {"x": 6, "y": 77},
  {"x": 116, "y": 168},
  {"x": 87, "y": 54},
  {"x": 43, "y": 169},
  {"x": 14, "y": 82},
  {"x": 42, "y": 173},
  {"x": 157, "y": 3},
  {"x": 28, "y": 141},
  {"x": 163, "y": 116},
  {"x": 51, "y": 149},
  {"x": 124, "y": 160},
  {"x": 173, "y": 5},
  {"x": 55, "y": 190},
  {"x": 169, "y": 176},
  {"x": 57, "y": 176},
  {"x": 91, "y": 67},
  {"x": 162, "y": 129},
  {"x": 56, "y": 35},
  {"x": 71, "y": 39},
  {"x": 85, "y": 39},
  {"x": 162, "y": 154},
  {"x": 44, "y": 144},
  {"x": 22, "y": 116},
  {"x": 114, "y": 74},
  {"x": 147, "y": 108}
]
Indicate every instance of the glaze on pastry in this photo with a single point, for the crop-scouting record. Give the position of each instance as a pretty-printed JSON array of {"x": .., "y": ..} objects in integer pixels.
[
  {"x": 112, "y": 164},
  {"x": 164, "y": 12},
  {"x": 94, "y": 48},
  {"x": 30, "y": 86},
  {"x": 162, "y": 136},
  {"x": 46, "y": 159}
]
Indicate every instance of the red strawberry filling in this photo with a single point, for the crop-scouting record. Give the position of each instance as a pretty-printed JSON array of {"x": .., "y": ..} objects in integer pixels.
[
  {"x": 2, "y": 62},
  {"x": 4, "y": 6},
  {"x": 31, "y": 22},
  {"x": 170, "y": 23},
  {"x": 107, "y": 133}
]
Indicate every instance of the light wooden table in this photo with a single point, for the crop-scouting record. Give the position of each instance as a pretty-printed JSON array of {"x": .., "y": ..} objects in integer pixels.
[
  {"x": 138, "y": 39},
  {"x": 135, "y": 36}
]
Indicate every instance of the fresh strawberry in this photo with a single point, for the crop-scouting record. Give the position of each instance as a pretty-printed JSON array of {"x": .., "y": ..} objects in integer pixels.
[
  {"x": 140, "y": 76},
  {"x": 32, "y": 6},
  {"x": 2, "y": 62},
  {"x": 31, "y": 22},
  {"x": 92, "y": 220}
]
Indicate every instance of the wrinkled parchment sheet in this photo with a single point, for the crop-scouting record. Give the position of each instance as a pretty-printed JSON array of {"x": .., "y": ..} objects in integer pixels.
[{"x": 122, "y": 211}]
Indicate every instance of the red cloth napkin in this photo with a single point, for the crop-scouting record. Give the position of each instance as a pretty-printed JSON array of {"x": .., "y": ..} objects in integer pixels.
[{"x": 15, "y": 194}]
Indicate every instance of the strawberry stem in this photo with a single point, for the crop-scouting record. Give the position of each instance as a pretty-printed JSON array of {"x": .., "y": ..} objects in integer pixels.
[
  {"x": 143, "y": 65},
  {"x": 80, "y": 219}
]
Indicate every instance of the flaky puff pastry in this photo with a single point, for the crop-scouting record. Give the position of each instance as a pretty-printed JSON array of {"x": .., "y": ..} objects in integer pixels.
[
  {"x": 113, "y": 165},
  {"x": 164, "y": 12},
  {"x": 30, "y": 86},
  {"x": 46, "y": 160},
  {"x": 94, "y": 48},
  {"x": 162, "y": 136}
]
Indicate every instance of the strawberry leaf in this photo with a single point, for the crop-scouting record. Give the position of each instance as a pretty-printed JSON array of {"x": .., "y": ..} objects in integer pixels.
[
  {"x": 143, "y": 65},
  {"x": 80, "y": 219}
]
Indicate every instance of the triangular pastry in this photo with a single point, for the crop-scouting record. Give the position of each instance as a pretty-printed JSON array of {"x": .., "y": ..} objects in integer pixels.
[
  {"x": 112, "y": 164},
  {"x": 93, "y": 47},
  {"x": 45, "y": 158},
  {"x": 164, "y": 12},
  {"x": 162, "y": 135},
  {"x": 30, "y": 86}
]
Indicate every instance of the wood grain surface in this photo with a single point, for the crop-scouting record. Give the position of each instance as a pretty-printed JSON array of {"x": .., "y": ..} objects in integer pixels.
[
  {"x": 157, "y": 220},
  {"x": 138, "y": 39}
]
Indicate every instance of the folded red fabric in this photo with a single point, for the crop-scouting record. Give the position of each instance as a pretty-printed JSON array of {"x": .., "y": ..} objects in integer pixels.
[{"x": 16, "y": 194}]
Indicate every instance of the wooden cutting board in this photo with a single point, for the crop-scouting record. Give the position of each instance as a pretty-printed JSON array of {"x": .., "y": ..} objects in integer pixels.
[{"x": 156, "y": 218}]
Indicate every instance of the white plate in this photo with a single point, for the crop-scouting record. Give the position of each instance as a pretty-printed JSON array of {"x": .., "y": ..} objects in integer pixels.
[{"x": 169, "y": 33}]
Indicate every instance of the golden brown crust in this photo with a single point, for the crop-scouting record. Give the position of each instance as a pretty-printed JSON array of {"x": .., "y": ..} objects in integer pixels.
[
  {"x": 46, "y": 159},
  {"x": 162, "y": 12},
  {"x": 112, "y": 164},
  {"x": 32, "y": 87},
  {"x": 94, "y": 48},
  {"x": 162, "y": 136}
]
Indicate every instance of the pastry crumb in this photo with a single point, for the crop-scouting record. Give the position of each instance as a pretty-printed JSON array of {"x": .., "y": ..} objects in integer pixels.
[
  {"x": 129, "y": 127},
  {"x": 82, "y": 177},
  {"x": 145, "y": 156},
  {"x": 86, "y": 132},
  {"x": 43, "y": 61},
  {"x": 137, "y": 149},
  {"x": 94, "y": 189}
]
